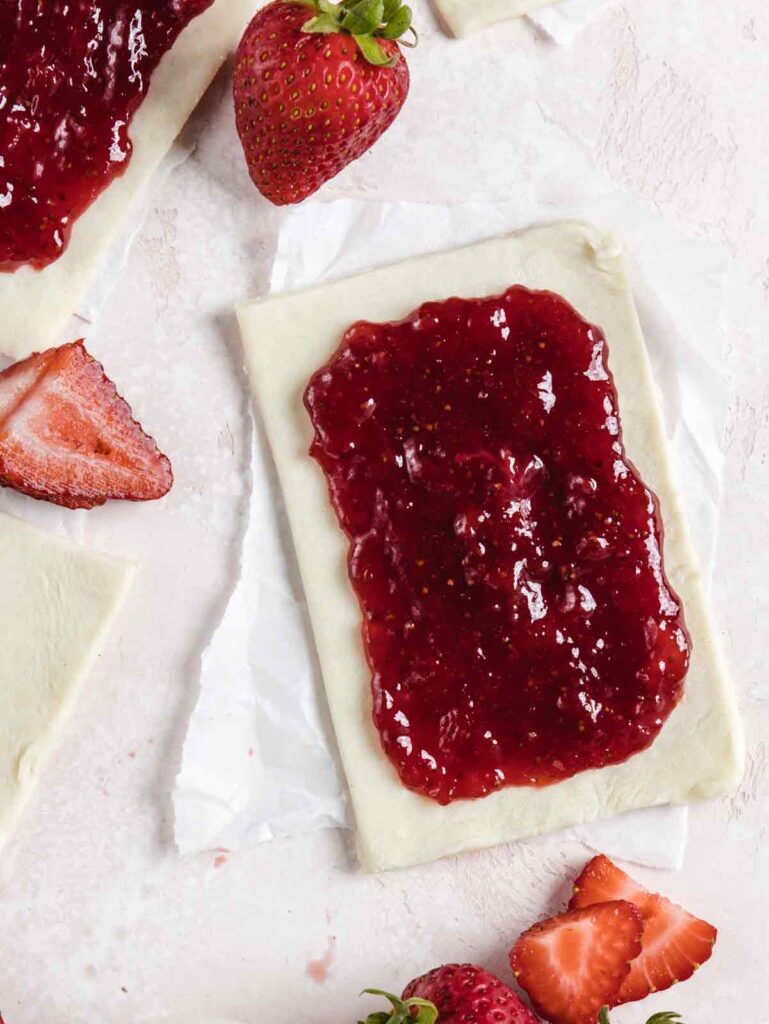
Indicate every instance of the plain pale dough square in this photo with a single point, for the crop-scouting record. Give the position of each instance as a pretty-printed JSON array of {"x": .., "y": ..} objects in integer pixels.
[
  {"x": 698, "y": 752},
  {"x": 36, "y": 304},
  {"x": 57, "y": 601},
  {"x": 465, "y": 16}
]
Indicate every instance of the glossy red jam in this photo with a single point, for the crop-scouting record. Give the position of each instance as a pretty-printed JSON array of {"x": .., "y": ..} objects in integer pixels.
[
  {"x": 72, "y": 75},
  {"x": 506, "y": 555}
]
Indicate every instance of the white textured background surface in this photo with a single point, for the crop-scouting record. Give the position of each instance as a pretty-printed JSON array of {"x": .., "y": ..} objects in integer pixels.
[{"x": 100, "y": 920}]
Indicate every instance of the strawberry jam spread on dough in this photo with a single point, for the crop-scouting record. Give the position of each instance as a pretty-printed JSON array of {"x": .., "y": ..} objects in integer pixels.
[
  {"x": 506, "y": 555},
  {"x": 72, "y": 75}
]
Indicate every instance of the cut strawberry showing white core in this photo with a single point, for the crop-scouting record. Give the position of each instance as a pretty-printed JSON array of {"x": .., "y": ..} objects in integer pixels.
[
  {"x": 574, "y": 964},
  {"x": 674, "y": 942},
  {"x": 66, "y": 435}
]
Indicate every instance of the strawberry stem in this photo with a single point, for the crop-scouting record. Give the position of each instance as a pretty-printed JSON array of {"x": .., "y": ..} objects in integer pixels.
[
  {"x": 665, "y": 1017},
  {"x": 404, "y": 1011},
  {"x": 366, "y": 21}
]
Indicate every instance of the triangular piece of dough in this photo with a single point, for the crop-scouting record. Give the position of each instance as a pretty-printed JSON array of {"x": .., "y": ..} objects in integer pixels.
[{"x": 57, "y": 601}]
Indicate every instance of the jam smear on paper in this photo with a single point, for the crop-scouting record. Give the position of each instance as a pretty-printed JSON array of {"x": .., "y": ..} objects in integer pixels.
[
  {"x": 72, "y": 75},
  {"x": 506, "y": 555}
]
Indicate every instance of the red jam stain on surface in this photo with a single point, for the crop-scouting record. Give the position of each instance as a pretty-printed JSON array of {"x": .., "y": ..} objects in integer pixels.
[
  {"x": 222, "y": 854},
  {"x": 319, "y": 970},
  {"x": 506, "y": 555},
  {"x": 72, "y": 75}
]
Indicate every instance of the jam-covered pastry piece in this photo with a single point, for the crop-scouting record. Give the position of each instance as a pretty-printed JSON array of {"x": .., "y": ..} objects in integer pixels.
[
  {"x": 72, "y": 75},
  {"x": 506, "y": 555}
]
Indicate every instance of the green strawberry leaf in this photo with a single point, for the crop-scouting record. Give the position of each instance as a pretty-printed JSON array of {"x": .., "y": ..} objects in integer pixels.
[
  {"x": 402, "y": 1010},
  {"x": 366, "y": 21},
  {"x": 373, "y": 52},
  {"x": 398, "y": 24},
  {"x": 665, "y": 1017},
  {"x": 364, "y": 18},
  {"x": 427, "y": 1012},
  {"x": 325, "y": 24}
]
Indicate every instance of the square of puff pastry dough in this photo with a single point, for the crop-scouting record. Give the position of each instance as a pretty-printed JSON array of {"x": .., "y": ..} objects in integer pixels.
[
  {"x": 57, "y": 601},
  {"x": 698, "y": 753},
  {"x": 465, "y": 16},
  {"x": 36, "y": 304}
]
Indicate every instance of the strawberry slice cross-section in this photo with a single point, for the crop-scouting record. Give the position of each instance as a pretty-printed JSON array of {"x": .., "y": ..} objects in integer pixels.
[
  {"x": 574, "y": 964},
  {"x": 66, "y": 435},
  {"x": 674, "y": 942}
]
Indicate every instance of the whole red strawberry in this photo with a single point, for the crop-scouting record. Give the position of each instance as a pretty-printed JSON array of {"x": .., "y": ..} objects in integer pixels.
[
  {"x": 316, "y": 84},
  {"x": 455, "y": 994},
  {"x": 466, "y": 994}
]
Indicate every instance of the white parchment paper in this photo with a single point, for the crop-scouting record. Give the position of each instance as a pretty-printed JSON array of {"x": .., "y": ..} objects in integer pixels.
[
  {"x": 116, "y": 256},
  {"x": 258, "y": 761}
]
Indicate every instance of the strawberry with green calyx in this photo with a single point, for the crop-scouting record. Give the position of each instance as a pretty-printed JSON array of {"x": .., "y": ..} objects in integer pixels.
[
  {"x": 316, "y": 84},
  {"x": 455, "y": 994},
  {"x": 466, "y": 994}
]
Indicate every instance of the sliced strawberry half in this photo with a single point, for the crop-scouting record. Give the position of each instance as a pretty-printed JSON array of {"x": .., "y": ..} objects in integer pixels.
[
  {"x": 674, "y": 942},
  {"x": 574, "y": 964},
  {"x": 601, "y": 880},
  {"x": 66, "y": 435}
]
